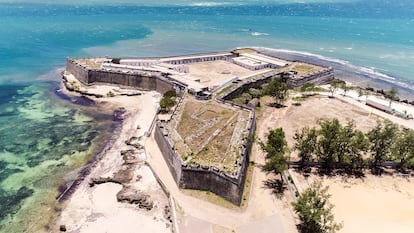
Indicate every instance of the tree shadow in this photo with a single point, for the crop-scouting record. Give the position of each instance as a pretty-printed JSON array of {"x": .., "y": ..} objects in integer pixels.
[
  {"x": 278, "y": 186},
  {"x": 276, "y": 105},
  {"x": 349, "y": 173}
]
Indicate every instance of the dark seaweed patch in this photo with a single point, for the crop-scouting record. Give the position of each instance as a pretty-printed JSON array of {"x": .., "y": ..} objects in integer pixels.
[{"x": 11, "y": 201}]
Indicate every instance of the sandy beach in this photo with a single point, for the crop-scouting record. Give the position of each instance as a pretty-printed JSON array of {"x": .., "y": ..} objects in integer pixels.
[{"x": 96, "y": 208}]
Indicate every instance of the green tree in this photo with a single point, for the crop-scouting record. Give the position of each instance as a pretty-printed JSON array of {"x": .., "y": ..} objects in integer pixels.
[
  {"x": 166, "y": 103},
  {"x": 334, "y": 85},
  {"x": 391, "y": 95},
  {"x": 278, "y": 90},
  {"x": 352, "y": 144},
  {"x": 344, "y": 87},
  {"x": 170, "y": 94},
  {"x": 363, "y": 92},
  {"x": 315, "y": 211},
  {"x": 381, "y": 138},
  {"x": 275, "y": 148},
  {"x": 305, "y": 142},
  {"x": 403, "y": 149},
  {"x": 328, "y": 144},
  {"x": 256, "y": 93},
  {"x": 358, "y": 147}
]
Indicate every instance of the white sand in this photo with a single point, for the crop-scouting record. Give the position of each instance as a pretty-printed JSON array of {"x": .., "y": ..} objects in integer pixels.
[
  {"x": 95, "y": 209},
  {"x": 376, "y": 204}
]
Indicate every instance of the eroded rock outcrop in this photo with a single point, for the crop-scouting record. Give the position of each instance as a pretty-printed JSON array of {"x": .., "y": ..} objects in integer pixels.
[{"x": 133, "y": 196}]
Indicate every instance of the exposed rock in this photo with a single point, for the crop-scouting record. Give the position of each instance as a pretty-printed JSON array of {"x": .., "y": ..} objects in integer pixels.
[
  {"x": 167, "y": 213},
  {"x": 62, "y": 228},
  {"x": 133, "y": 196},
  {"x": 120, "y": 114},
  {"x": 130, "y": 152},
  {"x": 129, "y": 157},
  {"x": 101, "y": 180},
  {"x": 134, "y": 141},
  {"x": 125, "y": 175}
]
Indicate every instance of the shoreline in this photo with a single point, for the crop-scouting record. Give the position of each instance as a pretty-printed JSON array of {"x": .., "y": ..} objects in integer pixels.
[
  {"x": 85, "y": 170},
  {"x": 357, "y": 74},
  {"x": 94, "y": 202}
]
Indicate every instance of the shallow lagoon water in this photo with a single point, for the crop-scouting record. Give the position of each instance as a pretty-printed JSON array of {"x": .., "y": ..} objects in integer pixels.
[{"x": 42, "y": 139}]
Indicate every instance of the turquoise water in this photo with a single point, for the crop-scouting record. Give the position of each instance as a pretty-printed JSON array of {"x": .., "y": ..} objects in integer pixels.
[{"x": 43, "y": 137}]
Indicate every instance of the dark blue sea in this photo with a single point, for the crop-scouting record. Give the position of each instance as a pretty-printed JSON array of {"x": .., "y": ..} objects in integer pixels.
[{"x": 44, "y": 137}]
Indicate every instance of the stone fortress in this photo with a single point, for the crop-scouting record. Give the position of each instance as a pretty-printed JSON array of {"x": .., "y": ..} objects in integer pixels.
[{"x": 205, "y": 143}]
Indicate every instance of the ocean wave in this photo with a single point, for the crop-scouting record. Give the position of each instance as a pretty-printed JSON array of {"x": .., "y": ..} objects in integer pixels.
[
  {"x": 259, "y": 34},
  {"x": 346, "y": 66},
  {"x": 306, "y": 54},
  {"x": 210, "y": 4}
]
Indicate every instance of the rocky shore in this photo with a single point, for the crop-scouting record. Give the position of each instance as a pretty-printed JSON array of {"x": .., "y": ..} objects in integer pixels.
[{"x": 117, "y": 192}]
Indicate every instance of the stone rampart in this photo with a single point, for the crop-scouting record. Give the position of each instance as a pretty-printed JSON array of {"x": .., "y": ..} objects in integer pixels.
[
  {"x": 230, "y": 186},
  {"x": 320, "y": 77},
  {"x": 78, "y": 70},
  {"x": 141, "y": 80},
  {"x": 245, "y": 85},
  {"x": 166, "y": 146}
]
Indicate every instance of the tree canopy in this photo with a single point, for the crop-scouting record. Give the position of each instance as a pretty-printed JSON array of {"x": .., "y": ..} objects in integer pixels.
[
  {"x": 403, "y": 149},
  {"x": 275, "y": 148},
  {"x": 315, "y": 211},
  {"x": 167, "y": 101},
  {"x": 381, "y": 138},
  {"x": 278, "y": 90},
  {"x": 306, "y": 142},
  {"x": 391, "y": 95}
]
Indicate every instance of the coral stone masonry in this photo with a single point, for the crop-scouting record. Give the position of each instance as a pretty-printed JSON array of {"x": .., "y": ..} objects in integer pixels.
[{"x": 205, "y": 142}]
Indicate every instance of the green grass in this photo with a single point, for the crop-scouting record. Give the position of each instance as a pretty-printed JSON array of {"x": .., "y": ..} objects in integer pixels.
[{"x": 225, "y": 89}]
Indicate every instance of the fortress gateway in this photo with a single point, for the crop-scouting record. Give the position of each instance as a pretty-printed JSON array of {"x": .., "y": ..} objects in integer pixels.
[{"x": 206, "y": 144}]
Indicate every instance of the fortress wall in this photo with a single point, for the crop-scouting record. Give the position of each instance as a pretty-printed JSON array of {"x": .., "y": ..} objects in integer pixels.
[
  {"x": 136, "y": 80},
  {"x": 322, "y": 77},
  {"x": 195, "y": 59},
  {"x": 206, "y": 179},
  {"x": 79, "y": 71},
  {"x": 170, "y": 156},
  {"x": 148, "y": 81},
  {"x": 163, "y": 85},
  {"x": 245, "y": 86}
]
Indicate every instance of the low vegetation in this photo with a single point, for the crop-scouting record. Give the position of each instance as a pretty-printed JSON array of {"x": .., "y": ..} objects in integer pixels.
[
  {"x": 275, "y": 88},
  {"x": 168, "y": 101}
]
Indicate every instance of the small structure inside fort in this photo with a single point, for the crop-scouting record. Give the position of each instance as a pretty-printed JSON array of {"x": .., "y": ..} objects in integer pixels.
[{"x": 206, "y": 139}]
